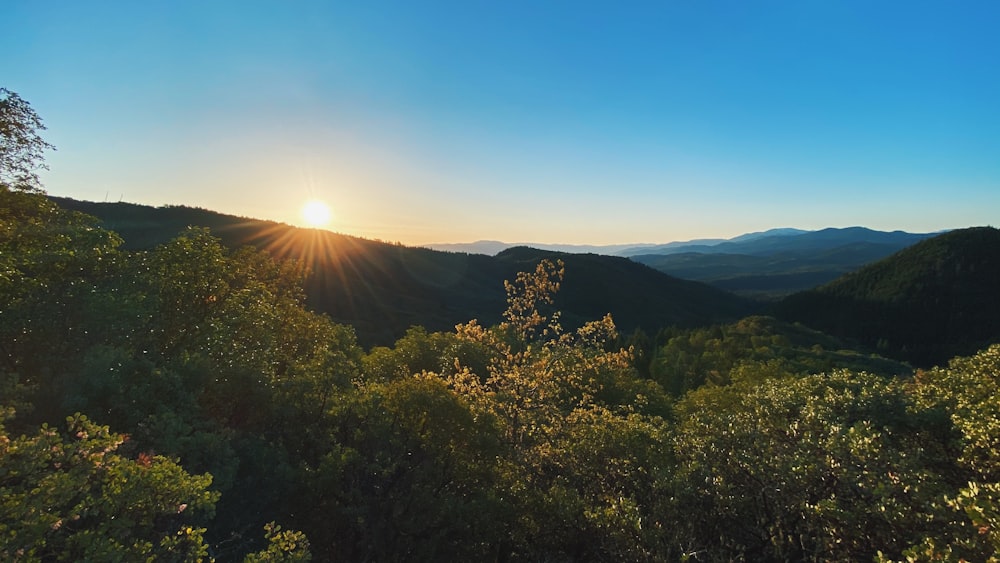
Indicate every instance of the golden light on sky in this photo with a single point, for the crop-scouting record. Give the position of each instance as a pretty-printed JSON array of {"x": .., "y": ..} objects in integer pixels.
[{"x": 316, "y": 214}]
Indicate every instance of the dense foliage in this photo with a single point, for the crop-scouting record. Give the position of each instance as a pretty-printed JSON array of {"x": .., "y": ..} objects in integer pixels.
[
  {"x": 752, "y": 348},
  {"x": 182, "y": 403}
]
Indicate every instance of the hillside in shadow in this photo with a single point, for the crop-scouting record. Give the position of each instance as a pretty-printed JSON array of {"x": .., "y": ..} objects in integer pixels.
[
  {"x": 382, "y": 289},
  {"x": 934, "y": 300}
]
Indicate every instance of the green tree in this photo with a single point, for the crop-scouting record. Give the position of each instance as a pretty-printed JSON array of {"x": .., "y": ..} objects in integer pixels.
[
  {"x": 21, "y": 145},
  {"x": 561, "y": 401},
  {"x": 283, "y": 546},
  {"x": 967, "y": 390},
  {"x": 52, "y": 264},
  {"x": 838, "y": 466},
  {"x": 416, "y": 352},
  {"x": 410, "y": 475},
  {"x": 81, "y": 499}
]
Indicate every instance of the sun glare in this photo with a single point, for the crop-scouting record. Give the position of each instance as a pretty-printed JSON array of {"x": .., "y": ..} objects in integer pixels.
[{"x": 315, "y": 213}]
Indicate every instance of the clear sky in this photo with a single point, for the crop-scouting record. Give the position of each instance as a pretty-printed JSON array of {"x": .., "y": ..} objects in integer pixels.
[{"x": 559, "y": 122}]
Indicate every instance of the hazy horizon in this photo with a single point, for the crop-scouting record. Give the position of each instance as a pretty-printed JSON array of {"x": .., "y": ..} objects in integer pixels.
[
  {"x": 510, "y": 243},
  {"x": 569, "y": 122}
]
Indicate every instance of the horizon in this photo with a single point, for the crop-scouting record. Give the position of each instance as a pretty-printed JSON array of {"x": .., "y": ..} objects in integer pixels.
[
  {"x": 707, "y": 240},
  {"x": 567, "y": 122}
]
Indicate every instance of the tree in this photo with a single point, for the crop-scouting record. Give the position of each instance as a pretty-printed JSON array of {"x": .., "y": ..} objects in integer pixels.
[
  {"x": 53, "y": 264},
  {"x": 81, "y": 499},
  {"x": 839, "y": 466},
  {"x": 49, "y": 257},
  {"x": 21, "y": 145},
  {"x": 967, "y": 391},
  {"x": 410, "y": 475},
  {"x": 584, "y": 436},
  {"x": 284, "y": 546}
]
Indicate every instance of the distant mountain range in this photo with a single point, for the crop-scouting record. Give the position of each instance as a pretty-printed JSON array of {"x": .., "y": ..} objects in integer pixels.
[
  {"x": 764, "y": 265},
  {"x": 776, "y": 263},
  {"x": 755, "y": 242},
  {"x": 712, "y": 245},
  {"x": 775, "y": 241},
  {"x": 494, "y": 247}
]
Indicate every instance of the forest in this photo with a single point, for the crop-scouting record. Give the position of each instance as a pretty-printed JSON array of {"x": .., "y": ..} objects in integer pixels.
[{"x": 185, "y": 403}]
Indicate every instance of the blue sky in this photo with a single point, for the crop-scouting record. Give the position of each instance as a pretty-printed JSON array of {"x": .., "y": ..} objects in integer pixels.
[{"x": 558, "y": 122}]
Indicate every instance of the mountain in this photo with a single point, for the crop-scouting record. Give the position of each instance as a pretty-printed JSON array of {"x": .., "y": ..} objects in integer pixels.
[
  {"x": 774, "y": 242},
  {"x": 925, "y": 304},
  {"x": 776, "y": 263},
  {"x": 635, "y": 294},
  {"x": 705, "y": 245},
  {"x": 758, "y": 243},
  {"x": 786, "y": 231},
  {"x": 383, "y": 289},
  {"x": 493, "y": 247},
  {"x": 487, "y": 247}
]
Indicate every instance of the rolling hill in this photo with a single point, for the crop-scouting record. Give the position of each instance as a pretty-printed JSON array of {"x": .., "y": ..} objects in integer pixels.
[
  {"x": 630, "y": 291},
  {"x": 934, "y": 300},
  {"x": 382, "y": 289}
]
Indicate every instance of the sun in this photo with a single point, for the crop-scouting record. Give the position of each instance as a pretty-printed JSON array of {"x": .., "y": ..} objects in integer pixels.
[{"x": 316, "y": 213}]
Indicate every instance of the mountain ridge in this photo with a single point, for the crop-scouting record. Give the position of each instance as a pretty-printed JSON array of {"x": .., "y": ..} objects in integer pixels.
[
  {"x": 383, "y": 289},
  {"x": 762, "y": 239},
  {"x": 770, "y": 266}
]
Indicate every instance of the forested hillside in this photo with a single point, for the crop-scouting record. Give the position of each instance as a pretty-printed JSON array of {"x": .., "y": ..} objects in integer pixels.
[
  {"x": 383, "y": 289},
  {"x": 932, "y": 301},
  {"x": 755, "y": 348},
  {"x": 182, "y": 403}
]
